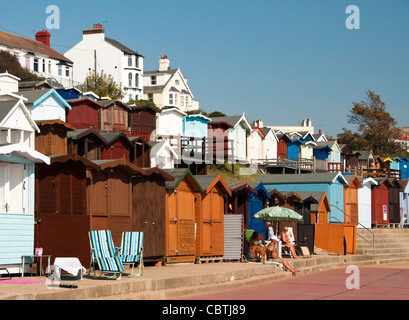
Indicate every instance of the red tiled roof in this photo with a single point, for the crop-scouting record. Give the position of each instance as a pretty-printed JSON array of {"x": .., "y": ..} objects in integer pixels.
[{"x": 15, "y": 41}]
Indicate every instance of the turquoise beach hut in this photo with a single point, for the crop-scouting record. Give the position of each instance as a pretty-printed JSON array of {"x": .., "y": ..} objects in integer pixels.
[{"x": 332, "y": 183}]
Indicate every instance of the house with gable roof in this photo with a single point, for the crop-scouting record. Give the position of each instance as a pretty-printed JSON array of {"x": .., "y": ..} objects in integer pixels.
[
  {"x": 38, "y": 57},
  {"x": 168, "y": 87},
  {"x": 96, "y": 51}
]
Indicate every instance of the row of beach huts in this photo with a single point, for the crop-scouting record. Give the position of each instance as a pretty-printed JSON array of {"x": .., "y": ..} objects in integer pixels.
[{"x": 71, "y": 163}]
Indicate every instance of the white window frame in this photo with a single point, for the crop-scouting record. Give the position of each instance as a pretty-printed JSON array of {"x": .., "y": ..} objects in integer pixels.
[{"x": 7, "y": 196}]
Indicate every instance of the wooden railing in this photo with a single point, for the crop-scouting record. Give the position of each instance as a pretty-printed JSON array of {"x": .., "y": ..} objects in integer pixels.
[{"x": 210, "y": 150}]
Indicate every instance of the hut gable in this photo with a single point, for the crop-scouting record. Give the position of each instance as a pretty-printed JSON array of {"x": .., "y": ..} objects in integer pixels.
[
  {"x": 99, "y": 145},
  {"x": 83, "y": 113},
  {"x": 45, "y": 104},
  {"x": 163, "y": 155},
  {"x": 195, "y": 125},
  {"x": 180, "y": 215},
  {"x": 170, "y": 122},
  {"x": 52, "y": 138},
  {"x": 142, "y": 120},
  {"x": 209, "y": 216},
  {"x": 113, "y": 116}
]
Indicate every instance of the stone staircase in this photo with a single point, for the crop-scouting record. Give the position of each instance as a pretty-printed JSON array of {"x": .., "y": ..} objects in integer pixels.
[{"x": 391, "y": 245}]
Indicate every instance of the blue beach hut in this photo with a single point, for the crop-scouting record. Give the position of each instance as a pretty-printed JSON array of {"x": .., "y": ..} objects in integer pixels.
[
  {"x": 404, "y": 168},
  {"x": 256, "y": 202},
  {"x": 332, "y": 183}
]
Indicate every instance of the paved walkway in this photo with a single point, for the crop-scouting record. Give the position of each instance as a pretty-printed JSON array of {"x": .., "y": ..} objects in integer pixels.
[
  {"x": 371, "y": 283},
  {"x": 173, "y": 281}
]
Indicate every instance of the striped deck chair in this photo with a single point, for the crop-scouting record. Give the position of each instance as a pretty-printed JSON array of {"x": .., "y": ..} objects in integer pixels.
[
  {"x": 131, "y": 250},
  {"x": 104, "y": 253}
]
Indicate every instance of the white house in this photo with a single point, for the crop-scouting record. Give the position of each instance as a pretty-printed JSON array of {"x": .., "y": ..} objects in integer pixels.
[
  {"x": 168, "y": 87},
  {"x": 38, "y": 57},
  {"x": 306, "y": 126},
  {"x": 17, "y": 177},
  {"x": 95, "y": 52}
]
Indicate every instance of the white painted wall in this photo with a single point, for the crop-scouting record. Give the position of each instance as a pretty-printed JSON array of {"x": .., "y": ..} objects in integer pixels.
[
  {"x": 48, "y": 110},
  {"x": 94, "y": 50}
]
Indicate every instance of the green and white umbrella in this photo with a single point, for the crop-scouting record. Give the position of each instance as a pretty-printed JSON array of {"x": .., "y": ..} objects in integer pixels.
[{"x": 278, "y": 214}]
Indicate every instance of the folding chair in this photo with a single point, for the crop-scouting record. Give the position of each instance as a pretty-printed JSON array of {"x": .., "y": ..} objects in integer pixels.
[
  {"x": 104, "y": 253},
  {"x": 131, "y": 250},
  {"x": 8, "y": 273}
]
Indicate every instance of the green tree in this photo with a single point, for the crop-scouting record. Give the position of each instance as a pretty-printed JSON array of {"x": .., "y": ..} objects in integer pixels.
[
  {"x": 376, "y": 128},
  {"x": 9, "y": 63},
  {"x": 215, "y": 114},
  {"x": 103, "y": 85}
]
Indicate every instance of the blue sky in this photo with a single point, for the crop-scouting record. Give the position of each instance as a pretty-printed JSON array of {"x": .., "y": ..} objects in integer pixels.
[{"x": 282, "y": 61}]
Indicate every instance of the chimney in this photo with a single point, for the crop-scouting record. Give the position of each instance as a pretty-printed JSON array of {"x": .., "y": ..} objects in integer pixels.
[
  {"x": 164, "y": 63},
  {"x": 98, "y": 28},
  {"x": 44, "y": 37},
  {"x": 303, "y": 123},
  {"x": 309, "y": 123},
  {"x": 258, "y": 123}
]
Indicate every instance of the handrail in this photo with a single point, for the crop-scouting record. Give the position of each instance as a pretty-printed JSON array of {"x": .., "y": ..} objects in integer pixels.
[{"x": 373, "y": 235}]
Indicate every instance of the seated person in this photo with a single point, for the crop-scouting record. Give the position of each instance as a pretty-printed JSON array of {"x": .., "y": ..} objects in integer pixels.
[
  {"x": 273, "y": 250},
  {"x": 257, "y": 239},
  {"x": 287, "y": 243}
]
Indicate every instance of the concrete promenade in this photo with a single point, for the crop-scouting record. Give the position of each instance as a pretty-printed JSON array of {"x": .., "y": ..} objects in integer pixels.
[{"x": 173, "y": 281}]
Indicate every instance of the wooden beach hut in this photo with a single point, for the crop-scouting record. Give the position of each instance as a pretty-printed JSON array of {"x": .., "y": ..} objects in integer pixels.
[
  {"x": 75, "y": 195},
  {"x": 83, "y": 113},
  {"x": 180, "y": 231},
  {"x": 394, "y": 202},
  {"x": 404, "y": 168},
  {"x": 209, "y": 217},
  {"x": 142, "y": 121},
  {"x": 351, "y": 199},
  {"x": 256, "y": 202},
  {"x": 113, "y": 116},
  {"x": 380, "y": 202},
  {"x": 149, "y": 211},
  {"x": 61, "y": 210},
  {"x": 218, "y": 135},
  {"x": 238, "y": 203},
  {"x": 52, "y": 138}
]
